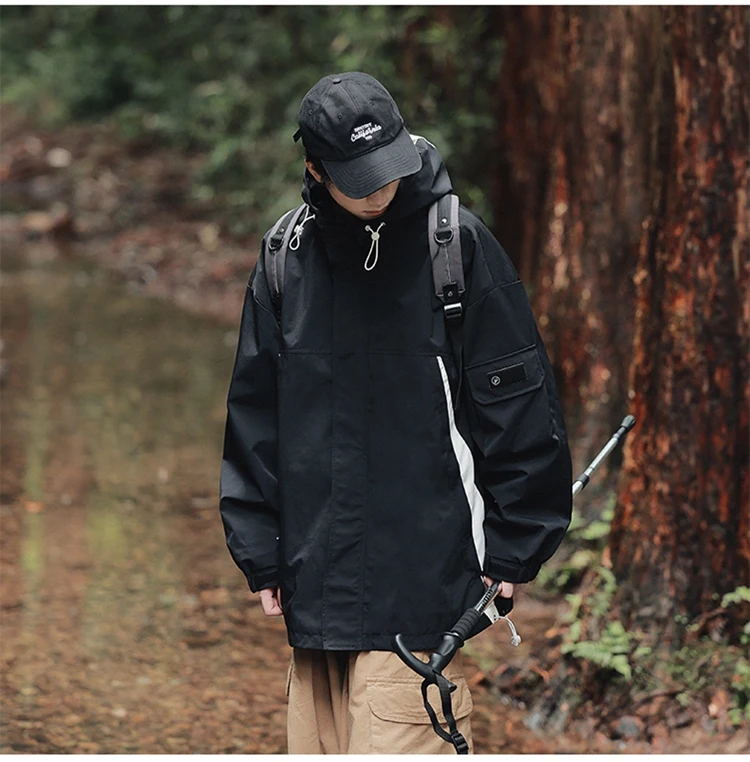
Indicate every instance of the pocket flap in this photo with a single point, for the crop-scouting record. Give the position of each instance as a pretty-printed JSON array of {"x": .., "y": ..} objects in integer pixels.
[
  {"x": 398, "y": 699},
  {"x": 506, "y": 376}
]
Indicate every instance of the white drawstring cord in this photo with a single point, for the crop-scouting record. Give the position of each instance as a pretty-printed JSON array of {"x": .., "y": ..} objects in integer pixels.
[
  {"x": 515, "y": 637},
  {"x": 374, "y": 246},
  {"x": 294, "y": 243}
]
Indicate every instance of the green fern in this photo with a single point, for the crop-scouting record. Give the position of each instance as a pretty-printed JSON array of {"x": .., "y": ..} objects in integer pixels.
[{"x": 609, "y": 652}]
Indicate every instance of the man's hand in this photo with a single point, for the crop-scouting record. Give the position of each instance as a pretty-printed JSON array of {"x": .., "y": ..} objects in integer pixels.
[
  {"x": 505, "y": 590},
  {"x": 270, "y": 600}
]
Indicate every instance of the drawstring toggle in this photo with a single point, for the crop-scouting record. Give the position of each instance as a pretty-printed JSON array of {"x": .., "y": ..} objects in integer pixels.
[{"x": 374, "y": 246}]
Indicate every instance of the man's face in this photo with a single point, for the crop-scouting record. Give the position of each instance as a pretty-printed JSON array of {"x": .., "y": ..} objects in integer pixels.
[{"x": 367, "y": 208}]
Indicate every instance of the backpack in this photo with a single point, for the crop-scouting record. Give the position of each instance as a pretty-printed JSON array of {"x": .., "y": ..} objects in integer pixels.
[{"x": 445, "y": 252}]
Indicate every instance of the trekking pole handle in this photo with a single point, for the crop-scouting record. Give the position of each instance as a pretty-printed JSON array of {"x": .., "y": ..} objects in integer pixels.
[
  {"x": 466, "y": 623},
  {"x": 420, "y": 667},
  {"x": 453, "y": 639},
  {"x": 485, "y": 600},
  {"x": 627, "y": 423}
]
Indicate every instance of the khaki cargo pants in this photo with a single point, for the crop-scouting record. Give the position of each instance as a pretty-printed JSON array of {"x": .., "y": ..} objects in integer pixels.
[{"x": 367, "y": 702}]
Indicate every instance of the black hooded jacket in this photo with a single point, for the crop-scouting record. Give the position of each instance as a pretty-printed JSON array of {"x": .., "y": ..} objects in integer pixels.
[{"x": 346, "y": 477}]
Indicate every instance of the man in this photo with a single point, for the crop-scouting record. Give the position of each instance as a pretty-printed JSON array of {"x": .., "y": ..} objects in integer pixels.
[{"x": 369, "y": 486}]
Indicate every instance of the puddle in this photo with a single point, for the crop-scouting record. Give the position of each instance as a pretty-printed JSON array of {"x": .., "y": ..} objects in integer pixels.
[{"x": 125, "y": 625}]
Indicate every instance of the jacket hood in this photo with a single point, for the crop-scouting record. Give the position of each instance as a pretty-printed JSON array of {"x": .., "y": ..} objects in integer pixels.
[{"x": 414, "y": 195}]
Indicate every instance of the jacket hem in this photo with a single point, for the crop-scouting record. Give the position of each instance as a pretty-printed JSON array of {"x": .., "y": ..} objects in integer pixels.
[
  {"x": 368, "y": 642},
  {"x": 508, "y": 571}
]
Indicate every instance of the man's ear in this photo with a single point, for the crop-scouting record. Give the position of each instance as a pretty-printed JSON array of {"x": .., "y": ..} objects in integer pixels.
[{"x": 312, "y": 171}]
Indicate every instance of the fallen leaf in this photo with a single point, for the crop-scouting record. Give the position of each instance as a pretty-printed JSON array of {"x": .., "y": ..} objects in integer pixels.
[
  {"x": 215, "y": 597},
  {"x": 541, "y": 672},
  {"x": 479, "y": 677},
  {"x": 718, "y": 709}
]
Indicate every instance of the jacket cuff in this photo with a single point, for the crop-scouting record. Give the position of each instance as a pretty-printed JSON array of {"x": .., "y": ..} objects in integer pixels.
[
  {"x": 263, "y": 579},
  {"x": 509, "y": 571}
]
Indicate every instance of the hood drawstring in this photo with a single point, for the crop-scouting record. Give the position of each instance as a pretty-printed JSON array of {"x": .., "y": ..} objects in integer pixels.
[
  {"x": 374, "y": 246},
  {"x": 294, "y": 243}
]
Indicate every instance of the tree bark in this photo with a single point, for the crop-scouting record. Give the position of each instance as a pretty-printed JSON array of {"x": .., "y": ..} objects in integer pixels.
[
  {"x": 575, "y": 85},
  {"x": 680, "y": 536},
  {"x": 681, "y": 532}
]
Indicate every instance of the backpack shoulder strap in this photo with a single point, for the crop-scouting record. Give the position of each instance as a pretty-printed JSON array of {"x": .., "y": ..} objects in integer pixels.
[
  {"x": 279, "y": 241},
  {"x": 444, "y": 237},
  {"x": 445, "y": 250}
]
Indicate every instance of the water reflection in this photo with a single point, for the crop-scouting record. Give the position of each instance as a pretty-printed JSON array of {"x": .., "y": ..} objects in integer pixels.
[{"x": 125, "y": 625}]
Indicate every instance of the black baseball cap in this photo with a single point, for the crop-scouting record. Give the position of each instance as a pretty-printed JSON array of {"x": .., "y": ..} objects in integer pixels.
[{"x": 352, "y": 124}]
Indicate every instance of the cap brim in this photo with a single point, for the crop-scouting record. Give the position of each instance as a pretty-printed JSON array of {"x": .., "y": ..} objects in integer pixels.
[{"x": 362, "y": 176}]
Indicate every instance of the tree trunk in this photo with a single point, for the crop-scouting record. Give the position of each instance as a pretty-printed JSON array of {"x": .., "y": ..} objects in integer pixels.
[
  {"x": 680, "y": 537},
  {"x": 573, "y": 92},
  {"x": 681, "y": 532}
]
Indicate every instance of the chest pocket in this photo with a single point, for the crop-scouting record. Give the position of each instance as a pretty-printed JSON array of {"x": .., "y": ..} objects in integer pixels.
[{"x": 506, "y": 377}]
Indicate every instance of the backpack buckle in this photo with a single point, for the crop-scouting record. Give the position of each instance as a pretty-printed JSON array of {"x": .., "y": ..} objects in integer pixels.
[
  {"x": 452, "y": 302},
  {"x": 453, "y": 311}
]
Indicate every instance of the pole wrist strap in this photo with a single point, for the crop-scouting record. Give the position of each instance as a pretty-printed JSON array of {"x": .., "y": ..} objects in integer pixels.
[{"x": 445, "y": 687}]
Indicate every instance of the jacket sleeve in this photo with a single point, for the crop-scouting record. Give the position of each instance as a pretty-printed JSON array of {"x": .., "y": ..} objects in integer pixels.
[
  {"x": 249, "y": 495},
  {"x": 516, "y": 422}
]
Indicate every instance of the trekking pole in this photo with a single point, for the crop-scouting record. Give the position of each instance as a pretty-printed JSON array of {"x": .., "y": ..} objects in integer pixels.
[
  {"x": 627, "y": 423},
  {"x": 454, "y": 639}
]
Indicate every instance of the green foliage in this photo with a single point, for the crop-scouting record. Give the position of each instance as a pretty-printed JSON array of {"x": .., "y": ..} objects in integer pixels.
[
  {"x": 700, "y": 669},
  {"x": 599, "y": 602},
  {"x": 612, "y": 648},
  {"x": 610, "y": 651},
  {"x": 598, "y": 529},
  {"x": 557, "y": 578},
  {"x": 740, "y": 710},
  {"x": 589, "y": 541},
  {"x": 738, "y": 595},
  {"x": 695, "y": 671},
  {"x": 226, "y": 81}
]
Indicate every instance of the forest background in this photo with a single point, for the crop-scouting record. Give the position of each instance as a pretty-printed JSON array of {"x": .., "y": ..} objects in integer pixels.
[{"x": 607, "y": 148}]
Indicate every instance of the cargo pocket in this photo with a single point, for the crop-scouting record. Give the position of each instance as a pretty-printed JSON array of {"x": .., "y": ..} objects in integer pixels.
[{"x": 399, "y": 720}]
